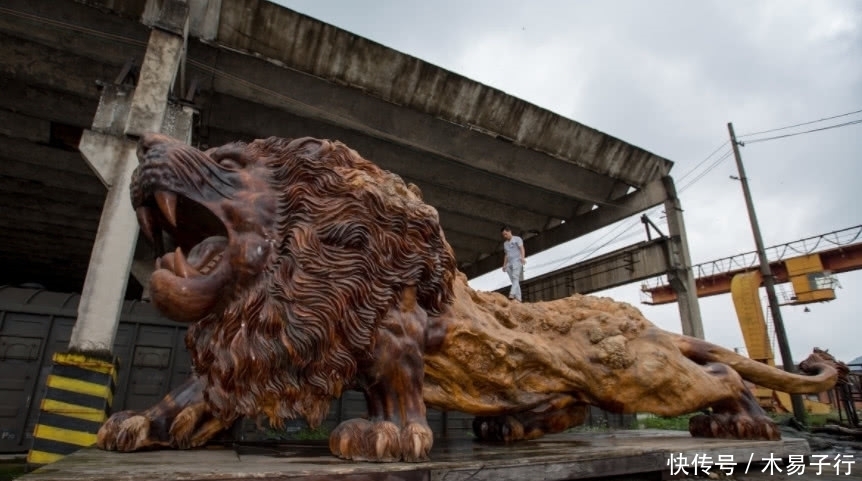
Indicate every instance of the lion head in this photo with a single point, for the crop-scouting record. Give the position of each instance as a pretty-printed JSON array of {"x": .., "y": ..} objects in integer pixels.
[{"x": 287, "y": 254}]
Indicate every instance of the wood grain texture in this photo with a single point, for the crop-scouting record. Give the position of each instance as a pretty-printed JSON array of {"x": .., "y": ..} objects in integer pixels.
[{"x": 304, "y": 270}]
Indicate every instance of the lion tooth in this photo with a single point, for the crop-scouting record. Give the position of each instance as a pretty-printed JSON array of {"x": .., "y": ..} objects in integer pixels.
[
  {"x": 182, "y": 268},
  {"x": 167, "y": 202}
]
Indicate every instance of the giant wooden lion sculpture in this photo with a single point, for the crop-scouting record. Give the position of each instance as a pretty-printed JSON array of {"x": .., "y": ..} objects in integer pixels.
[{"x": 304, "y": 270}]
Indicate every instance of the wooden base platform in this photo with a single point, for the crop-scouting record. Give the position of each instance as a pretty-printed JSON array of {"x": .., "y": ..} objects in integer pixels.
[{"x": 642, "y": 454}]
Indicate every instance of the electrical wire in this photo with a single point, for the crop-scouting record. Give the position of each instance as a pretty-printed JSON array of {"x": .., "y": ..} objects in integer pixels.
[
  {"x": 707, "y": 170},
  {"x": 798, "y": 125},
  {"x": 845, "y": 124},
  {"x": 588, "y": 251},
  {"x": 703, "y": 161},
  {"x": 654, "y": 210}
]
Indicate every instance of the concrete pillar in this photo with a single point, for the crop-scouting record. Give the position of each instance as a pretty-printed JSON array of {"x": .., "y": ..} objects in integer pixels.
[
  {"x": 679, "y": 274},
  {"x": 84, "y": 379},
  {"x": 124, "y": 114}
]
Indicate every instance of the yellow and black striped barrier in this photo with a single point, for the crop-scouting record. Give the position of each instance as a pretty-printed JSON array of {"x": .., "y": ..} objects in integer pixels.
[{"x": 78, "y": 399}]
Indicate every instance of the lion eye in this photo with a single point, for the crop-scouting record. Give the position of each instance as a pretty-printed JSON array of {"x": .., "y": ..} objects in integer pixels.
[{"x": 229, "y": 163}]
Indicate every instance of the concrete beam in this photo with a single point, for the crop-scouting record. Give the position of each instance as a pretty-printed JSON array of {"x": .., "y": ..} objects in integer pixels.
[
  {"x": 204, "y": 18},
  {"x": 77, "y": 27},
  {"x": 29, "y": 191},
  {"x": 483, "y": 230},
  {"x": 492, "y": 211},
  {"x": 56, "y": 69},
  {"x": 651, "y": 195},
  {"x": 45, "y": 103},
  {"x": 33, "y": 129},
  {"x": 42, "y": 155},
  {"x": 242, "y": 118},
  {"x": 623, "y": 266},
  {"x": 48, "y": 177},
  {"x": 238, "y": 119},
  {"x": 315, "y": 48},
  {"x": 52, "y": 224},
  {"x": 306, "y": 96},
  {"x": 469, "y": 249}
]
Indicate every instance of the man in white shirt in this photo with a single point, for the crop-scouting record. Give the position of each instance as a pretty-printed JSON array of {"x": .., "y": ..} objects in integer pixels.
[{"x": 513, "y": 261}]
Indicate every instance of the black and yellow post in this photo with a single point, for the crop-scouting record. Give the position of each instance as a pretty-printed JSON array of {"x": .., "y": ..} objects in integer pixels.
[{"x": 80, "y": 390}]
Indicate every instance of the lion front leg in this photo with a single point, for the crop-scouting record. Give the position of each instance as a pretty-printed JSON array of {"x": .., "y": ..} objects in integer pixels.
[
  {"x": 397, "y": 428},
  {"x": 180, "y": 420}
]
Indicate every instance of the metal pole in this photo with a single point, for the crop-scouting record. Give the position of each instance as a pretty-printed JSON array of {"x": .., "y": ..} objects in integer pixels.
[{"x": 768, "y": 279}]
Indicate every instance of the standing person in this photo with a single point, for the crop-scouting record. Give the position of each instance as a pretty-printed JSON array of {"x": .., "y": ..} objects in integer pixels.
[{"x": 513, "y": 261}]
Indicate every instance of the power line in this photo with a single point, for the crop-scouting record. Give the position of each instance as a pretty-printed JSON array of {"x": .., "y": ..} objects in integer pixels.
[
  {"x": 707, "y": 170},
  {"x": 799, "y": 125},
  {"x": 587, "y": 251},
  {"x": 852, "y": 122},
  {"x": 703, "y": 161}
]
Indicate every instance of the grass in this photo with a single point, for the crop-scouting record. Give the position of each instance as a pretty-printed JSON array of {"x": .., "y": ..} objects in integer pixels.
[
  {"x": 680, "y": 423},
  {"x": 812, "y": 420},
  {"x": 10, "y": 470},
  {"x": 308, "y": 434},
  {"x": 303, "y": 434},
  {"x": 676, "y": 423}
]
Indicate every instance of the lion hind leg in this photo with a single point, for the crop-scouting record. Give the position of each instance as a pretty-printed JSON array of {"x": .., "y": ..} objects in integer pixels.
[
  {"x": 735, "y": 411},
  {"x": 555, "y": 416}
]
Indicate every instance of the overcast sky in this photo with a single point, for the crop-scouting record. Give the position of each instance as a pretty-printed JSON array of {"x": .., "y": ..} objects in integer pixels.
[{"x": 668, "y": 76}]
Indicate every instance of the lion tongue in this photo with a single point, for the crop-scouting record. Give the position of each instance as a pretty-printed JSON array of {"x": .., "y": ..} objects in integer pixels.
[{"x": 207, "y": 250}]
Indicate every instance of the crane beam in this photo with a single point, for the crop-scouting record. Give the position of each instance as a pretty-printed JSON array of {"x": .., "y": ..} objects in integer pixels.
[{"x": 836, "y": 260}]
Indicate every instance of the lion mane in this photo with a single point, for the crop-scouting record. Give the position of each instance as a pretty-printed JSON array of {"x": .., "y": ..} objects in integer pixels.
[{"x": 351, "y": 237}]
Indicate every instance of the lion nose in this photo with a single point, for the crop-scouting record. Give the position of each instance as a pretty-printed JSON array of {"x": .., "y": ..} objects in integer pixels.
[{"x": 151, "y": 140}]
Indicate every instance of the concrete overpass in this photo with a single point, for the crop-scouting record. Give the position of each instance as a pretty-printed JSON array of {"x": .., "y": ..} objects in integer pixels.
[{"x": 249, "y": 69}]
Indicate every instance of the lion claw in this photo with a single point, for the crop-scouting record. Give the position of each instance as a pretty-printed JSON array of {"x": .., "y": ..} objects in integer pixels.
[
  {"x": 110, "y": 433},
  {"x": 132, "y": 432},
  {"x": 381, "y": 441},
  {"x": 505, "y": 429},
  {"x": 734, "y": 426},
  {"x": 183, "y": 428}
]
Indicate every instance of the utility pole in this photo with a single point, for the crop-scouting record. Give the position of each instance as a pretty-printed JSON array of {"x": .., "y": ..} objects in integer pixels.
[{"x": 768, "y": 279}]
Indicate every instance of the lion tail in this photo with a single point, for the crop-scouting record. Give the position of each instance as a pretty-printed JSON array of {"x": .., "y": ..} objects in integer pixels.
[{"x": 820, "y": 374}]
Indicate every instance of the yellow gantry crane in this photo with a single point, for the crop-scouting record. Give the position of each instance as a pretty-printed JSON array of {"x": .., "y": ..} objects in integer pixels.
[{"x": 808, "y": 264}]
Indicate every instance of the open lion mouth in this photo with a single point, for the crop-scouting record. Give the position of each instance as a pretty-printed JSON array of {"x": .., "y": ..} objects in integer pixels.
[
  {"x": 192, "y": 245},
  {"x": 188, "y": 239}
]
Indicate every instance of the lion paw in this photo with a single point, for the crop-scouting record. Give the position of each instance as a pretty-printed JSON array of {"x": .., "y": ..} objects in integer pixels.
[
  {"x": 382, "y": 441},
  {"x": 505, "y": 429},
  {"x": 734, "y": 426},
  {"x": 124, "y": 431},
  {"x": 183, "y": 428},
  {"x": 106, "y": 438}
]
